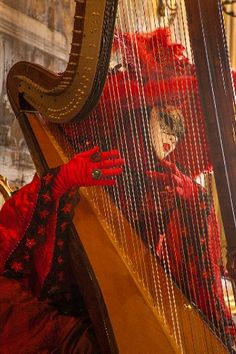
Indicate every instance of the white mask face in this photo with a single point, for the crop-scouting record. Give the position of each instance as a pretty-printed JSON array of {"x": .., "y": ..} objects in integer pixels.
[{"x": 163, "y": 135}]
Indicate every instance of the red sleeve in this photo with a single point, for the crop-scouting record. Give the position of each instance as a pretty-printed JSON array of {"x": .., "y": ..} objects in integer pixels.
[
  {"x": 32, "y": 228},
  {"x": 15, "y": 217}
]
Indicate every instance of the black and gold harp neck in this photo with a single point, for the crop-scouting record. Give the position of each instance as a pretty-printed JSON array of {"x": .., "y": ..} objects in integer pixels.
[{"x": 72, "y": 94}]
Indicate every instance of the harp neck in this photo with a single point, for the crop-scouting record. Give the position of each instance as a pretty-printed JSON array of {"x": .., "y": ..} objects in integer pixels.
[{"x": 62, "y": 97}]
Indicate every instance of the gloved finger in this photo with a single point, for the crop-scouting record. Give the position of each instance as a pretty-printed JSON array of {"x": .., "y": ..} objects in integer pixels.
[
  {"x": 111, "y": 172},
  {"x": 111, "y": 163},
  {"x": 89, "y": 153},
  {"x": 109, "y": 154},
  {"x": 105, "y": 182}
]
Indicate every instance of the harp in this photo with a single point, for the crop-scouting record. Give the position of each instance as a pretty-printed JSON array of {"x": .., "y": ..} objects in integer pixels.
[{"x": 136, "y": 295}]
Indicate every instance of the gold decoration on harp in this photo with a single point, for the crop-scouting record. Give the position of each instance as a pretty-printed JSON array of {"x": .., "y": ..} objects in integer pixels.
[
  {"x": 228, "y": 7},
  {"x": 163, "y": 7}
]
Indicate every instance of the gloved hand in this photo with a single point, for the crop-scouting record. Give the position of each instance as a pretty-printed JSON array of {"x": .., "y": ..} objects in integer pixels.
[
  {"x": 88, "y": 168},
  {"x": 173, "y": 184}
]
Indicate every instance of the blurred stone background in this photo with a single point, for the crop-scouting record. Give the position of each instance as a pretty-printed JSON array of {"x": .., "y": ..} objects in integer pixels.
[{"x": 36, "y": 31}]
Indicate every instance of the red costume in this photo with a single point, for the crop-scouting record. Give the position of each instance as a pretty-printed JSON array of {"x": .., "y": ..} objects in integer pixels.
[
  {"x": 41, "y": 310},
  {"x": 156, "y": 73}
]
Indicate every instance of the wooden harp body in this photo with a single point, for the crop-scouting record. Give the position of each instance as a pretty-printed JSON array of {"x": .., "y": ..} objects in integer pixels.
[{"x": 135, "y": 301}]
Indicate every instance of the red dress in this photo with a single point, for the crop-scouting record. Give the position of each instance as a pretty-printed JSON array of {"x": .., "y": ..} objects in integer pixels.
[{"x": 33, "y": 275}]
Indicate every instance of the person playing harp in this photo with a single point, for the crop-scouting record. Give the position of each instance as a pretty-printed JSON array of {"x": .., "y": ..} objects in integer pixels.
[{"x": 152, "y": 93}]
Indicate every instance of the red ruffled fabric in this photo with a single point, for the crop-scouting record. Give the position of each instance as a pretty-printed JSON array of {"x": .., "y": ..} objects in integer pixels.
[{"x": 153, "y": 53}]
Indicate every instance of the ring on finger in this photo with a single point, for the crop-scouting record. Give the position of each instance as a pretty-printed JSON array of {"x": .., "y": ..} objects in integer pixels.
[{"x": 97, "y": 173}]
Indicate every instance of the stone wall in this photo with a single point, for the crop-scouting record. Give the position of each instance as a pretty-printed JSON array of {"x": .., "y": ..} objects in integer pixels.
[{"x": 36, "y": 31}]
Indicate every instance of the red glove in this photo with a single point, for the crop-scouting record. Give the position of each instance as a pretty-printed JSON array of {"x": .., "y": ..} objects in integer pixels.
[
  {"x": 88, "y": 168},
  {"x": 172, "y": 183}
]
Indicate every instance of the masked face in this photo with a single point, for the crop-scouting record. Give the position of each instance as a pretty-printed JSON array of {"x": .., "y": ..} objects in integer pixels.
[{"x": 166, "y": 128}]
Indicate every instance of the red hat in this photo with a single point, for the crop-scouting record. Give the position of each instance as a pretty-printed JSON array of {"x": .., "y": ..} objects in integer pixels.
[{"x": 155, "y": 72}]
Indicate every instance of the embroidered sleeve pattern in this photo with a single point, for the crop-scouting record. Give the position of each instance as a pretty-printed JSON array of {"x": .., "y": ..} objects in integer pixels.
[
  {"x": 58, "y": 288},
  {"x": 19, "y": 264}
]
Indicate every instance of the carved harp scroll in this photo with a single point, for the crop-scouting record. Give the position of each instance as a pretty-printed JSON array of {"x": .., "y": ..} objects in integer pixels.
[{"x": 149, "y": 308}]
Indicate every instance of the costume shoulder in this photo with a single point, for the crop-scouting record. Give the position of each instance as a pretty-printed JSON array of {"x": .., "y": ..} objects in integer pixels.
[{"x": 15, "y": 217}]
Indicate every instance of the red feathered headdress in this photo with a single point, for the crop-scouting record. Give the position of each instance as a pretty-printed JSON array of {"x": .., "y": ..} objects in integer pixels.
[{"x": 154, "y": 54}]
